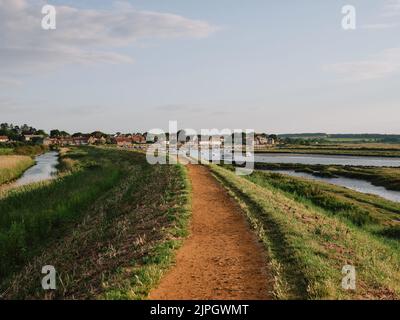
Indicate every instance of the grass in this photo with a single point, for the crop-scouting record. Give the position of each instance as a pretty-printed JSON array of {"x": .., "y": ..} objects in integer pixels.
[
  {"x": 308, "y": 245},
  {"x": 6, "y": 151},
  {"x": 380, "y": 176},
  {"x": 145, "y": 274},
  {"x": 371, "y": 213},
  {"x": 12, "y": 167},
  {"x": 346, "y": 149},
  {"x": 109, "y": 225}
]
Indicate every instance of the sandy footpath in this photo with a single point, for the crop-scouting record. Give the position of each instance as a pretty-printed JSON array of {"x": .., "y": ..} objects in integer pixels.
[{"x": 222, "y": 258}]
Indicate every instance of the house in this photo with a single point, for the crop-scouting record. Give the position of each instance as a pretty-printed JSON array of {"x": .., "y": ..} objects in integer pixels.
[
  {"x": 123, "y": 141},
  {"x": 92, "y": 140},
  {"x": 32, "y": 137},
  {"x": 48, "y": 141},
  {"x": 260, "y": 140},
  {"x": 4, "y": 139},
  {"x": 138, "y": 138},
  {"x": 80, "y": 141},
  {"x": 75, "y": 141}
]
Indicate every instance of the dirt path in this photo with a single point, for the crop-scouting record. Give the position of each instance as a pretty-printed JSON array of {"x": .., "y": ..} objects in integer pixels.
[{"x": 221, "y": 259}]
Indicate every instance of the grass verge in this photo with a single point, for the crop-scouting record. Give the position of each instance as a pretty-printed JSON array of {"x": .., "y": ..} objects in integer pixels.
[
  {"x": 308, "y": 248},
  {"x": 111, "y": 224}
]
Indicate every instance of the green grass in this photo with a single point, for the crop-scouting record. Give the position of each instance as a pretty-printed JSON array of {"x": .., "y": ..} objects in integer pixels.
[
  {"x": 31, "y": 214},
  {"x": 371, "y": 213},
  {"x": 6, "y": 151},
  {"x": 109, "y": 225},
  {"x": 146, "y": 274},
  {"x": 308, "y": 245},
  {"x": 30, "y": 150}
]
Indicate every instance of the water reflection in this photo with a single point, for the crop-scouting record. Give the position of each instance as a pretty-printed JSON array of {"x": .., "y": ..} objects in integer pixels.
[
  {"x": 354, "y": 184},
  {"x": 44, "y": 169},
  {"x": 327, "y": 160}
]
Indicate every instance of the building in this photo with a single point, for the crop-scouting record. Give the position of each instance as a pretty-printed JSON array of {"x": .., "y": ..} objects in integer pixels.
[
  {"x": 138, "y": 138},
  {"x": 32, "y": 137},
  {"x": 74, "y": 141},
  {"x": 80, "y": 141},
  {"x": 123, "y": 141},
  {"x": 4, "y": 139},
  {"x": 264, "y": 140}
]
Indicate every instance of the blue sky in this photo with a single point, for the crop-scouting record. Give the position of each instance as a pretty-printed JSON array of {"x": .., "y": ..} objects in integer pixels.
[{"x": 272, "y": 66}]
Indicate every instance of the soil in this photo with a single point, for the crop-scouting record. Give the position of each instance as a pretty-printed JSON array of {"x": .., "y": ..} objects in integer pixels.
[{"x": 222, "y": 259}]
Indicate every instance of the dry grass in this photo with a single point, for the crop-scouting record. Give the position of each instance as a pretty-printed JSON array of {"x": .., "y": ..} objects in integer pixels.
[{"x": 11, "y": 167}]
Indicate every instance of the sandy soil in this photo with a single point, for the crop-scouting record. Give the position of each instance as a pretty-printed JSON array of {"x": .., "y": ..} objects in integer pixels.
[{"x": 222, "y": 258}]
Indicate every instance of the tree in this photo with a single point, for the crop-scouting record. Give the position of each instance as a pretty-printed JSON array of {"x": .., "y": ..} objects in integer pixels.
[
  {"x": 55, "y": 133},
  {"x": 77, "y": 134},
  {"x": 98, "y": 134},
  {"x": 41, "y": 132}
]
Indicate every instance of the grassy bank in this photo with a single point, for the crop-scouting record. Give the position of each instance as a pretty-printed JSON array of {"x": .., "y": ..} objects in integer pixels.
[
  {"x": 109, "y": 225},
  {"x": 12, "y": 167},
  {"x": 30, "y": 150},
  {"x": 379, "y": 176},
  {"x": 371, "y": 213},
  {"x": 372, "y": 150},
  {"x": 308, "y": 245},
  {"x": 6, "y": 151}
]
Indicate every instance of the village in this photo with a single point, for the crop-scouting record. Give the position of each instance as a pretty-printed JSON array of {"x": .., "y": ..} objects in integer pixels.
[{"x": 10, "y": 134}]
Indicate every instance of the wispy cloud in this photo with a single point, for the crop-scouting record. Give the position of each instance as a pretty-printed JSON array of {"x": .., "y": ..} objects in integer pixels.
[
  {"x": 383, "y": 64},
  {"x": 380, "y": 26},
  {"x": 84, "y": 36},
  {"x": 9, "y": 82},
  {"x": 388, "y": 17},
  {"x": 391, "y": 8}
]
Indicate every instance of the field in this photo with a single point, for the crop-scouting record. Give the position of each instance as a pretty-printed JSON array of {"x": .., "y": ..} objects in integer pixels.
[
  {"x": 12, "y": 167},
  {"x": 349, "y": 149},
  {"x": 312, "y": 230},
  {"x": 109, "y": 224}
]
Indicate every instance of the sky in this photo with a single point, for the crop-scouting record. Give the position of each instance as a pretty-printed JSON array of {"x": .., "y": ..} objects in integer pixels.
[{"x": 274, "y": 66}]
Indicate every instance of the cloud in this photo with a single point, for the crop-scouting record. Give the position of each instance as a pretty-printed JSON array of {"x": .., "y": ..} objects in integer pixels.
[
  {"x": 388, "y": 17},
  {"x": 9, "y": 82},
  {"x": 391, "y": 8},
  {"x": 380, "y": 26},
  {"x": 178, "y": 108},
  {"x": 83, "y": 36},
  {"x": 383, "y": 64}
]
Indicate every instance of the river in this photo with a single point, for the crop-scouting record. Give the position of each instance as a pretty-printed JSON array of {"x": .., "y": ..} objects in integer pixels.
[
  {"x": 327, "y": 160},
  {"x": 312, "y": 159},
  {"x": 354, "y": 184},
  {"x": 44, "y": 169}
]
